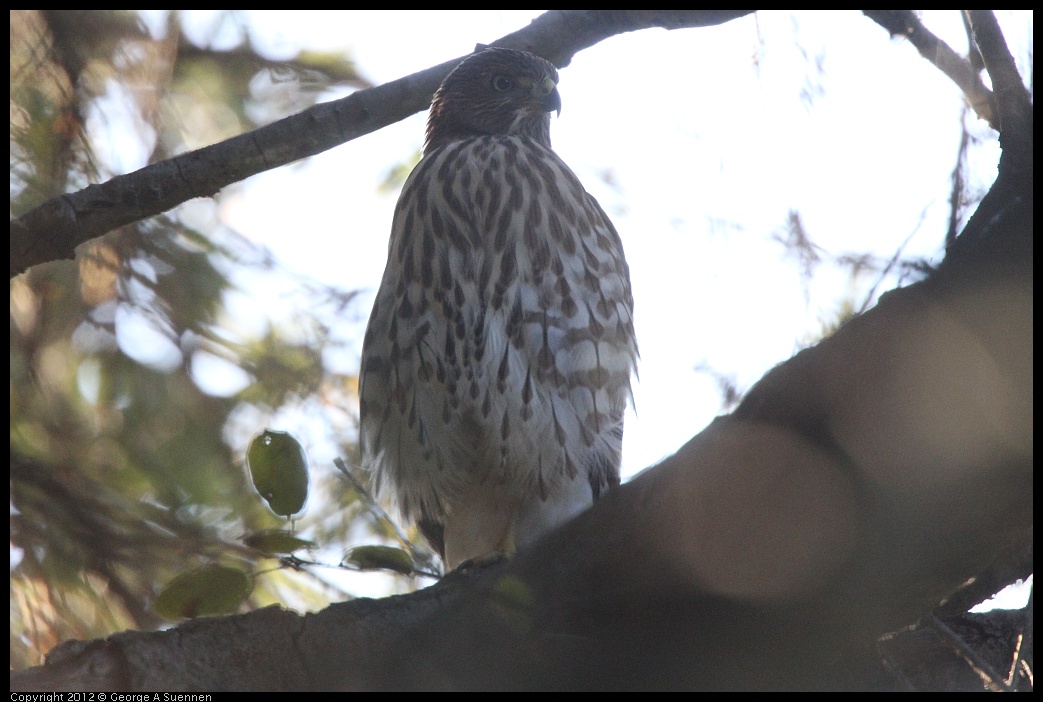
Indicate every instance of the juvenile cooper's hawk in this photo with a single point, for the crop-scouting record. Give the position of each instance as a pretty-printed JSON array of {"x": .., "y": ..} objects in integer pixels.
[{"x": 497, "y": 361}]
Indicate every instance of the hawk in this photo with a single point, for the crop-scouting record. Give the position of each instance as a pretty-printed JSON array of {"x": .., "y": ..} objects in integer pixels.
[{"x": 496, "y": 364}]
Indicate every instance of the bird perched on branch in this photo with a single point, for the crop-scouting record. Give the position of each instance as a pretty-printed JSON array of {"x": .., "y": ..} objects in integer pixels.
[{"x": 497, "y": 361}]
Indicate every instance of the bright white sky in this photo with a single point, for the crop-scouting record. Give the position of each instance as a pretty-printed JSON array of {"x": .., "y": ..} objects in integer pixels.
[{"x": 698, "y": 144}]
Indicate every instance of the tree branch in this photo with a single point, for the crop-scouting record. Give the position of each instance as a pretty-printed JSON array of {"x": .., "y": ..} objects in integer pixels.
[
  {"x": 1015, "y": 104},
  {"x": 54, "y": 229},
  {"x": 905, "y": 23},
  {"x": 1016, "y": 171}
]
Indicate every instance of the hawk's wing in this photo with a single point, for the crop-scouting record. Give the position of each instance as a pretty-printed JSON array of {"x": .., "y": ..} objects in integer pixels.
[{"x": 501, "y": 342}]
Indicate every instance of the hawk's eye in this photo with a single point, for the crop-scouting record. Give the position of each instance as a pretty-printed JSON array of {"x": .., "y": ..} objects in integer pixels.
[{"x": 502, "y": 84}]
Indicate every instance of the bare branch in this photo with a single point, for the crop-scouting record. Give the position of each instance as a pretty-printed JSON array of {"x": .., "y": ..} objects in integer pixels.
[
  {"x": 905, "y": 23},
  {"x": 1014, "y": 103},
  {"x": 54, "y": 229},
  {"x": 1014, "y": 180}
]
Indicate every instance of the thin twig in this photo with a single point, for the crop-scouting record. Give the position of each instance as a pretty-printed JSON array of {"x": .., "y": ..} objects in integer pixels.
[
  {"x": 968, "y": 653},
  {"x": 378, "y": 512},
  {"x": 1025, "y": 642},
  {"x": 891, "y": 264},
  {"x": 955, "y": 195}
]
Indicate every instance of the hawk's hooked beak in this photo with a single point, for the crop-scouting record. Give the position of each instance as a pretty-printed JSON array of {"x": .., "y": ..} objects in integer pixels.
[{"x": 550, "y": 100}]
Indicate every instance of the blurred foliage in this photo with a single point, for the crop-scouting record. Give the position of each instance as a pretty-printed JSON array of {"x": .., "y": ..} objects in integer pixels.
[
  {"x": 396, "y": 176},
  {"x": 125, "y": 473}
]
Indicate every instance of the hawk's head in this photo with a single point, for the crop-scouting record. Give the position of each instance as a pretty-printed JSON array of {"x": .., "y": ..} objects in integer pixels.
[{"x": 495, "y": 91}]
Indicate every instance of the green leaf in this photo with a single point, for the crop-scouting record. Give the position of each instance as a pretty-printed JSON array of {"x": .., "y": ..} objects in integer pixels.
[
  {"x": 279, "y": 470},
  {"x": 212, "y": 589},
  {"x": 276, "y": 542},
  {"x": 380, "y": 558}
]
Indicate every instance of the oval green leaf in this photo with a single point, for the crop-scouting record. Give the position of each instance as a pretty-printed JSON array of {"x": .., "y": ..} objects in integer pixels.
[
  {"x": 279, "y": 470},
  {"x": 276, "y": 542},
  {"x": 380, "y": 558},
  {"x": 212, "y": 589}
]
